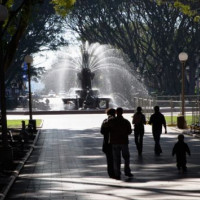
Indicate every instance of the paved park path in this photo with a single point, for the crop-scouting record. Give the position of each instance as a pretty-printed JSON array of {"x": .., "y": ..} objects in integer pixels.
[{"x": 67, "y": 163}]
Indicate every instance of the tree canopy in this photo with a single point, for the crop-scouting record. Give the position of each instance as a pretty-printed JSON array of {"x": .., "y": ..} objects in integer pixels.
[
  {"x": 188, "y": 7},
  {"x": 151, "y": 32},
  {"x": 22, "y": 15},
  {"x": 151, "y": 35},
  {"x": 63, "y": 6}
]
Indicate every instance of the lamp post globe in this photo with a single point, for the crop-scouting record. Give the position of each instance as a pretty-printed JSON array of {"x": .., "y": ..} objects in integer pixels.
[
  {"x": 28, "y": 59},
  {"x": 183, "y": 57}
]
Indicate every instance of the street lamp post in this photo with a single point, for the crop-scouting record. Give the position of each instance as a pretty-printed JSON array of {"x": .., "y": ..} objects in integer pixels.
[
  {"x": 181, "y": 123},
  {"x": 183, "y": 58},
  {"x": 3, "y": 17},
  {"x": 29, "y": 59}
]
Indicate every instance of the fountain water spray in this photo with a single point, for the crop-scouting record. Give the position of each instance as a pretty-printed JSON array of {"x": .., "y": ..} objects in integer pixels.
[{"x": 97, "y": 71}]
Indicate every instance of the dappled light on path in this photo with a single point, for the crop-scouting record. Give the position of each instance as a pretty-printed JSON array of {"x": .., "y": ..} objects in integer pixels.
[{"x": 68, "y": 163}]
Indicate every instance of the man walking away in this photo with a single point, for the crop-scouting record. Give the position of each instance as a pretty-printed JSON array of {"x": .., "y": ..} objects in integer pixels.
[
  {"x": 107, "y": 148},
  {"x": 157, "y": 120},
  {"x": 120, "y": 128},
  {"x": 138, "y": 121}
]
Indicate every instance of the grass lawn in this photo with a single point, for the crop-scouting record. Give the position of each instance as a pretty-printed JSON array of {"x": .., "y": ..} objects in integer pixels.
[
  {"x": 169, "y": 122},
  {"x": 18, "y": 123}
]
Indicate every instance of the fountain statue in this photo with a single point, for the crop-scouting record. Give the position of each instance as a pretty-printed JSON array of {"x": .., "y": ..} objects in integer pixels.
[{"x": 86, "y": 97}]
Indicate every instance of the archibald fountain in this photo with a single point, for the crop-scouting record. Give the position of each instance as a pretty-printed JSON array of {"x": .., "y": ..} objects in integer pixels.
[
  {"x": 86, "y": 96},
  {"x": 96, "y": 77}
]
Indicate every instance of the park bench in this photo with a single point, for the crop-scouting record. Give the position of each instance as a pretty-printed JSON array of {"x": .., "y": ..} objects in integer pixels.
[
  {"x": 14, "y": 137},
  {"x": 9, "y": 133},
  {"x": 17, "y": 137}
]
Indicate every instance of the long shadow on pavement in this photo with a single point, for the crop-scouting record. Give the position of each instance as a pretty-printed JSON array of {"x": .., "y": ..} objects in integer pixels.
[{"x": 69, "y": 164}]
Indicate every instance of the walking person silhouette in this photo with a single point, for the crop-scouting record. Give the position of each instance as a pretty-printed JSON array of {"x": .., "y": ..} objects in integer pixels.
[
  {"x": 180, "y": 149},
  {"x": 157, "y": 120},
  {"x": 120, "y": 129},
  {"x": 138, "y": 121},
  {"x": 107, "y": 147}
]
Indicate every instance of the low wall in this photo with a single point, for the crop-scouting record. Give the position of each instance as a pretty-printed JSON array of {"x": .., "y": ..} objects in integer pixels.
[{"x": 62, "y": 112}]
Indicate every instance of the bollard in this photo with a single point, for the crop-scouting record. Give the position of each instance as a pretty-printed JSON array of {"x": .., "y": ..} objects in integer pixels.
[
  {"x": 23, "y": 126},
  {"x": 32, "y": 123},
  {"x": 181, "y": 123},
  {"x": 24, "y": 134}
]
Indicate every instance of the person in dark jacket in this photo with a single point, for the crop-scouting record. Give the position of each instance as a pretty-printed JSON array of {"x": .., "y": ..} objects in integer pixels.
[
  {"x": 120, "y": 129},
  {"x": 180, "y": 149},
  {"x": 138, "y": 121},
  {"x": 107, "y": 147},
  {"x": 157, "y": 120}
]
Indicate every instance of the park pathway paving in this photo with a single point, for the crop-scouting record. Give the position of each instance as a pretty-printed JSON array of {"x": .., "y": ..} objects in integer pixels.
[{"x": 67, "y": 163}]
